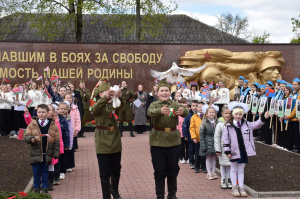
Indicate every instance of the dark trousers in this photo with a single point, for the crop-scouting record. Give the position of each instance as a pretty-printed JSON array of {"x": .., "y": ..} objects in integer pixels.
[
  {"x": 70, "y": 158},
  {"x": 6, "y": 118},
  {"x": 295, "y": 134},
  {"x": 191, "y": 145},
  {"x": 287, "y": 136},
  {"x": 63, "y": 161},
  {"x": 140, "y": 128},
  {"x": 40, "y": 174},
  {"x": 109, "y": 165},
  {"x": 165, "y": 161},
  {"x": 57, "y": 169},
  {"x": 266, "y": 132},
  {"x": 75, "y": 143},
  {"x": 200, "y": 160},
  {"x": 219, "y": 113},
  {"x": 184, "y": 150},
  {"x": 19, "y": 121}
]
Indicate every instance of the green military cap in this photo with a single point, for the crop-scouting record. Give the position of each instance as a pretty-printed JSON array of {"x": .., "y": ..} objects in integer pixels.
[
  {"x": 163, "y": 84},
  {"x": 104, "y": 87}
]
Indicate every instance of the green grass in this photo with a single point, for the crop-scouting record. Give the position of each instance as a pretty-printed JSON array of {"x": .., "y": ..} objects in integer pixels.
[{"x": 31, "y": 195}]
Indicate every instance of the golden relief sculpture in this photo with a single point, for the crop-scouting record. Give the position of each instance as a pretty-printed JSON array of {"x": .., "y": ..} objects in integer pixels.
[{"x": 228, "y": 66}]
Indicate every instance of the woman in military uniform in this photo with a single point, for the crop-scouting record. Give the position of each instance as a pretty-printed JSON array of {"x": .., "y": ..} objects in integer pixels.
[
  {"x": 107, "y": 142},
  {"x": 165, "y": 140}
]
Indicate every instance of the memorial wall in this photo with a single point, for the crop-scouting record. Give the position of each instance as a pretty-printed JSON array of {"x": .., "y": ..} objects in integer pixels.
[{"x": 21, "y": 61}]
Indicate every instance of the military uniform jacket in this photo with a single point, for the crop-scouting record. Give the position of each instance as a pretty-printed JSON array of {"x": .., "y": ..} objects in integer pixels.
[
  {"x": 161, "y": 138},
  {"x": 106, "y": 141},
  {"x": 85, "y": 96},
  {"x": 127, "y": 96}
]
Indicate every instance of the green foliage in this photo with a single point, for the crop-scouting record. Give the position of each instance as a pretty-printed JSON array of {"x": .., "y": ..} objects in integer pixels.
[
  {"x": 263, "y": 39},
  {"x": 31, "y": 195},
  {"x": 53, "y": 19},
  {"x": 295, "y": 40},
  {"x": 295, "y": 29},
  {"x": 125, "y": 15},
  {"x": 234, "y": 25}
]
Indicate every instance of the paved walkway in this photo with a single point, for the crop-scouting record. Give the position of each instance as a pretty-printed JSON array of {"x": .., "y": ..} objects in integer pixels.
[{"x": 136, "y": 175}]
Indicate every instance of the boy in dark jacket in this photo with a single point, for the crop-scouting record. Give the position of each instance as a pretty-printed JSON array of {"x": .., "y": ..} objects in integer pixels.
[
  {"x": 60, "y": 167},
  {"x": 186, "y": 133},
  {"x": 43, "y": 136}
]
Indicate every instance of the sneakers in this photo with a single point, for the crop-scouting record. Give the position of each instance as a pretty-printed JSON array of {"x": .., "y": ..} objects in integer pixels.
[
  {"x": 45, "y": 191},
  {"x": 235, "y": 191},
  {"x": 295, "y": 151},
  {"x": 187, "y": 161},
  {"x": 197, "y": 170},
  {"x": 192, "y": 166},
  {"x": 243, "y": 192},
  {"x": 223, "y": 183},
  {"x": 62, "y": 176},
  {"x": 228, "y": 183},
  {"x": 36, "y": 190},
  {"x": 182, "y": 161},
  {"x": 56, "y": 182},
  {"x": 69, "y": 170},
  {"x": 215, "y": 176},
  {"x": 210, "y": 177},
  {"x": 204, "y": 170}
]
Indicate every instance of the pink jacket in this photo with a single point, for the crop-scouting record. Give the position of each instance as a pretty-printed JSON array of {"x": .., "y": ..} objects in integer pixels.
[
  {"x": 180, "y": 123},
  {"x": 230, "y": 140},
  {"x": 75, "y": 117},
  {"x": 28, "y": 120}
]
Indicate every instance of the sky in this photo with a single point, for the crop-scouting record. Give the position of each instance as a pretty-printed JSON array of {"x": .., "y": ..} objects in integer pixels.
[{"x": 272, "y": 16}]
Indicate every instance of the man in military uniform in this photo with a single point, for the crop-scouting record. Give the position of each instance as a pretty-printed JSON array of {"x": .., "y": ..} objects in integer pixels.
[
  {"x": 85, "y": 96},
  {"x": 107, "y": 142},
  {"x": 127, "y": 98},
  {"x": 165, "y": 140}
]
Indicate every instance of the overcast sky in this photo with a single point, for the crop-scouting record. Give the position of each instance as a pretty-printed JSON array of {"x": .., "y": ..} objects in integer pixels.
[{"x": 274, "y": 16}]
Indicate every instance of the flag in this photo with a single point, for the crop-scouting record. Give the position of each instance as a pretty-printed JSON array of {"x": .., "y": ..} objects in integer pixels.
[
  {"x": 205, "y": 93},
  {"x": 211, "y": 85},
  {"x": 54, "y": 78},
  {"x": 29, "y": 103},
  {"x": 27, "y": 83},
  {"x": 46, "y": 93},
  {"x": 155, "y": 81},
  {"x": 39, "y": 78},
  {"x": 46, "y": 70},
  {"x": 5, "y": 80},
  {"x": 17, "y": 90},
  {"x": 21, "y": 134},
  {"x": 193, "y": 83},
  {"x": 181, "y": 84},
  {"x": 270, "y": 93},
  {"x": 217, "y": 86}
]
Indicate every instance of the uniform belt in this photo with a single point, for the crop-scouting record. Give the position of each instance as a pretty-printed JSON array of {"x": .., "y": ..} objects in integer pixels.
[
  {"x": 108, "y": 128},
  {"x": 168, "y": 129}
]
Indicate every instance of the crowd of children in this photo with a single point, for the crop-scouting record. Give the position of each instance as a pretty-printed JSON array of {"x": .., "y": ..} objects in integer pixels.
[
  {"x": 225, "y": 131},
  {"x": 51, "y": 114},
  {"x": 231, "y": 136}
]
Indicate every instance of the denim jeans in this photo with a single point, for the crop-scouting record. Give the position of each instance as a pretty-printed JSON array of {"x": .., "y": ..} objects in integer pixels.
[{"x": 40, "y": 174}]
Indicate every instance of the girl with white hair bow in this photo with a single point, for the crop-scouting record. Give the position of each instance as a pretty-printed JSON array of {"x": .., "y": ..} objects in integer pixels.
[{"x": 238, "y": 143}]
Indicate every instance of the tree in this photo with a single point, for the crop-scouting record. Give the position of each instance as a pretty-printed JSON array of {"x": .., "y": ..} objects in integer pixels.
[
  {"x": 234, "y": 25},
  {"x": 54, "y": 18},
  {"x": 263, "y": 39},
  {"x": 296, "y": 28},
  {"x": 141, "y": 17}
]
